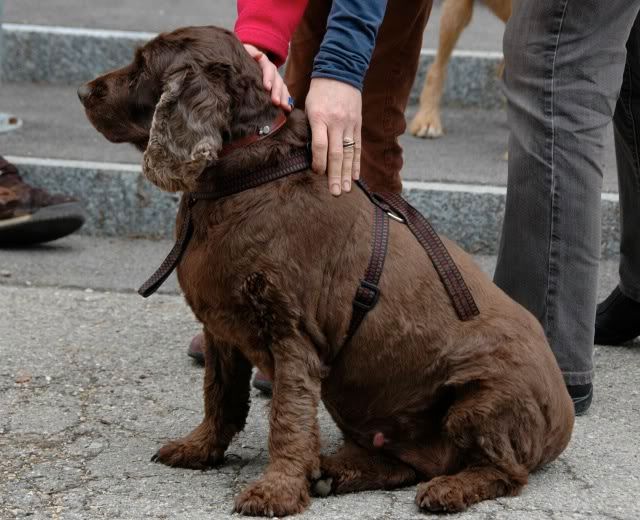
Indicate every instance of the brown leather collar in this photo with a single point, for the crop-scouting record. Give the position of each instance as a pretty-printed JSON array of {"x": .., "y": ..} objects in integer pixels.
[{"x": 262, "y": 133}]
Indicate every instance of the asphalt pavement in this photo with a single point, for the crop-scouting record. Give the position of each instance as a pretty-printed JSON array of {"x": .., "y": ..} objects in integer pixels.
[{"x": 94, "y": 379}]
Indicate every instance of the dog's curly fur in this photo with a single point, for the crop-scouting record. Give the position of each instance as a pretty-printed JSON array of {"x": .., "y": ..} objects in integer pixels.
[{"x": 466, "y": 408}]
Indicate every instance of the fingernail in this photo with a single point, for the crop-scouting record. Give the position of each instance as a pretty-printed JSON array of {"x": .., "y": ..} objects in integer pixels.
[
  {"x": 335, "y": 189},
  {"x": 292, "y": 102},
  {"x": 346, "y": 185}
]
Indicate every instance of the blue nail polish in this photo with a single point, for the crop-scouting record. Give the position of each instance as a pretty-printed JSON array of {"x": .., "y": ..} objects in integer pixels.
[{"x": 292, "y": 102}]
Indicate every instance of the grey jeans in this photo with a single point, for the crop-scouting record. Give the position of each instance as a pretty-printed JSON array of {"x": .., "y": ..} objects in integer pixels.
[{"x": 570, "y": 67}]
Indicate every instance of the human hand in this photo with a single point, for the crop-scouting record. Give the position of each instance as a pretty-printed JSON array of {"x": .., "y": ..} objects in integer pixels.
[
  {"x": 334, "y": 110},
  {"x": 271, "y": 79}
]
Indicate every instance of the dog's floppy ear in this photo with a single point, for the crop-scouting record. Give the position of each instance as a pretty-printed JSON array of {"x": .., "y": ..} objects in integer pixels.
[{"x": 188, "y": 124}]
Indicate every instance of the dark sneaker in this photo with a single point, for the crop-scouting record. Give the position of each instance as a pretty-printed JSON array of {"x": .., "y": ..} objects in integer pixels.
[
  {"x": 582, "y": 395},
  {"x": 196, "y": 348},
  {"x": 30, "y": 215},
  {"x": 262, "y": 383},
  {"x": 617, "y": 319}
]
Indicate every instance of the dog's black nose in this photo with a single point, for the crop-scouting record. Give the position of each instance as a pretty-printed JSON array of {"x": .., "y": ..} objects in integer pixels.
[{"x": 84, "y": 92}]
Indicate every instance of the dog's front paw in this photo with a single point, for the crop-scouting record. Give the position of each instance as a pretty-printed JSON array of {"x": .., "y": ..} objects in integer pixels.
[
  {"x": 274, "y": 495},
  {"x": 442, "y": 494},
  {"x": 427, "y": 124},
  {"x": 187, "y": 453}
]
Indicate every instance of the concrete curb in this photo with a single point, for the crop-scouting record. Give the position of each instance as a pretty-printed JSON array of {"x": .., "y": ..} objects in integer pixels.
[
  {"x": 120, "y": 202},
  {"x": 63, "y": 55}
]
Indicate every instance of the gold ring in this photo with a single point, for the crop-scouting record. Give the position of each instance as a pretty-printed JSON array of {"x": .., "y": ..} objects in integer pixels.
[{"x": 348, "y": 143}]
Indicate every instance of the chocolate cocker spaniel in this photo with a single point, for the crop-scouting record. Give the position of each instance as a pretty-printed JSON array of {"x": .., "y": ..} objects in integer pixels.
[{"x": 467, "y": 409}]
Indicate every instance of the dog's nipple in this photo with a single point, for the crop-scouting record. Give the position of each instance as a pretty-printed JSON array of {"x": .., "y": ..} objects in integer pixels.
[{"x": 379, "y": 440}]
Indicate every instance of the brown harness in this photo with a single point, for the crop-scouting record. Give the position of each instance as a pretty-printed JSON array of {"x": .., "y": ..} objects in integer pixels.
[{"x": 385, "y": 205}]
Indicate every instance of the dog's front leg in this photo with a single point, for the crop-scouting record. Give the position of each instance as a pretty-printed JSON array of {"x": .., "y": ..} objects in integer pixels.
[
  {"x": 226, "y": 405},
  {"x": 294, "y": 442}
]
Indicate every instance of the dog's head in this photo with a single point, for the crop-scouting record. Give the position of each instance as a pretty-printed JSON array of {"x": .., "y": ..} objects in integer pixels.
[{"x": 184, "y": 94}]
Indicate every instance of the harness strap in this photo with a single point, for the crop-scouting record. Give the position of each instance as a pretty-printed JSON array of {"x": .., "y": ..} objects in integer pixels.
[
  {"x": 461, "y": 297},
  {"x": 368, "y": 291},
  {"x": 174, "y": 256}
]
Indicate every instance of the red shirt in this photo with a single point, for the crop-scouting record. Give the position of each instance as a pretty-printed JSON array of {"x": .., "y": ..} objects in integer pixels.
[{"x": 269, "y": 25}]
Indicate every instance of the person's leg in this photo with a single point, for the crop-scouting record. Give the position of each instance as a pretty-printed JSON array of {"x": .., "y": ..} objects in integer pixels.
[
  {"x": 386, "y": 91},
  {"x": 305, "y": 44},
  {"x": 387, "y": 84},
  {"x": 618, "y": 317},
  {"x": 564, "y": 66},
  {"x": 627, "y": 138}
]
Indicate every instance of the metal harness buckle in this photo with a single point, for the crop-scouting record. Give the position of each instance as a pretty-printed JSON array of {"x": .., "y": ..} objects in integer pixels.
[{"x": 371, "y": 302}]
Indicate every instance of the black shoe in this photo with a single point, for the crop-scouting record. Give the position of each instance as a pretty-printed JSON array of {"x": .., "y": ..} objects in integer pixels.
[
  {"x": 263, "y": 383},
  {"x": 196, "y": 349},
  {"x": 30, "y": 215},
  {"x": 617, "y": 320},
  {"x": 581, "y": 395}
]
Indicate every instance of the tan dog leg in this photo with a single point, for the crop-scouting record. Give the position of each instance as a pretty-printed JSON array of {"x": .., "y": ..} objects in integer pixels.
[
  {"x": 353, "y": 468},
  {"x": 294, "y": 444},
  {"x": 501, "y": 8},
  {"x": 226, "y": 404},
  {"x": 456, "y": 15}
]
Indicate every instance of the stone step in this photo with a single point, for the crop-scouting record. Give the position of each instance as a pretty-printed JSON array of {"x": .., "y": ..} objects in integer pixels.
[
  {"x": 70, "y": 56},
  {"x": 458, "y": 180},
  {"x": 120, "y": 202},
  {"x": 484, "y": 33},
  {"x": 36, "y": 50}
]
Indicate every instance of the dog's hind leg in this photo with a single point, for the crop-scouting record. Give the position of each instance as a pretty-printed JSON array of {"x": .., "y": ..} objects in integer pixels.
[
  {"x": 454, "y": 493},
  {"x": 456, "y": 15},
  {"x": 226, "y": 405},
  {"x": 498, "y": 439},
  {"x": 354, "y": 468}
]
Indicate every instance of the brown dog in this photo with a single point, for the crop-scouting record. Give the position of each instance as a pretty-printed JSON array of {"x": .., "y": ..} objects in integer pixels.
[
  {"x": 468, "y": 408},
  {"x": 456, "y": 15}
]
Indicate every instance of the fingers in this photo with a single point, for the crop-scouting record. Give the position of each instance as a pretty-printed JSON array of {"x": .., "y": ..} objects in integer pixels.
[
  {"x": 336, "y": 162},
  {"x": 331, "y": 156},
  {"x": 271, "y": 79},
  {"x": 319, "y": 145},
  {"x": 357, "y": 153},
  {"x": 334, "y": 110},
  {"x": 348, "y": 160},
  {"x": 280, "y": 93}
]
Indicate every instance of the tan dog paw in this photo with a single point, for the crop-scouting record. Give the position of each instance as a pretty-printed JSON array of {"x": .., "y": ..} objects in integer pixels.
[
  {"x": 185, "y": 453},
  {"x": 426, "y": 124},
  {"x": 274, "y": 495}
]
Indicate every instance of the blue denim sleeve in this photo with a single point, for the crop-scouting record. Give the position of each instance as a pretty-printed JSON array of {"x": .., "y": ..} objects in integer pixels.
[{"x": 348, "y": 44}]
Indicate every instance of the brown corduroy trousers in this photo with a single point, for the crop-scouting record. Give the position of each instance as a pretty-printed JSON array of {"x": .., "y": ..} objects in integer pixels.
[{"x": 387, "y": 84}]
